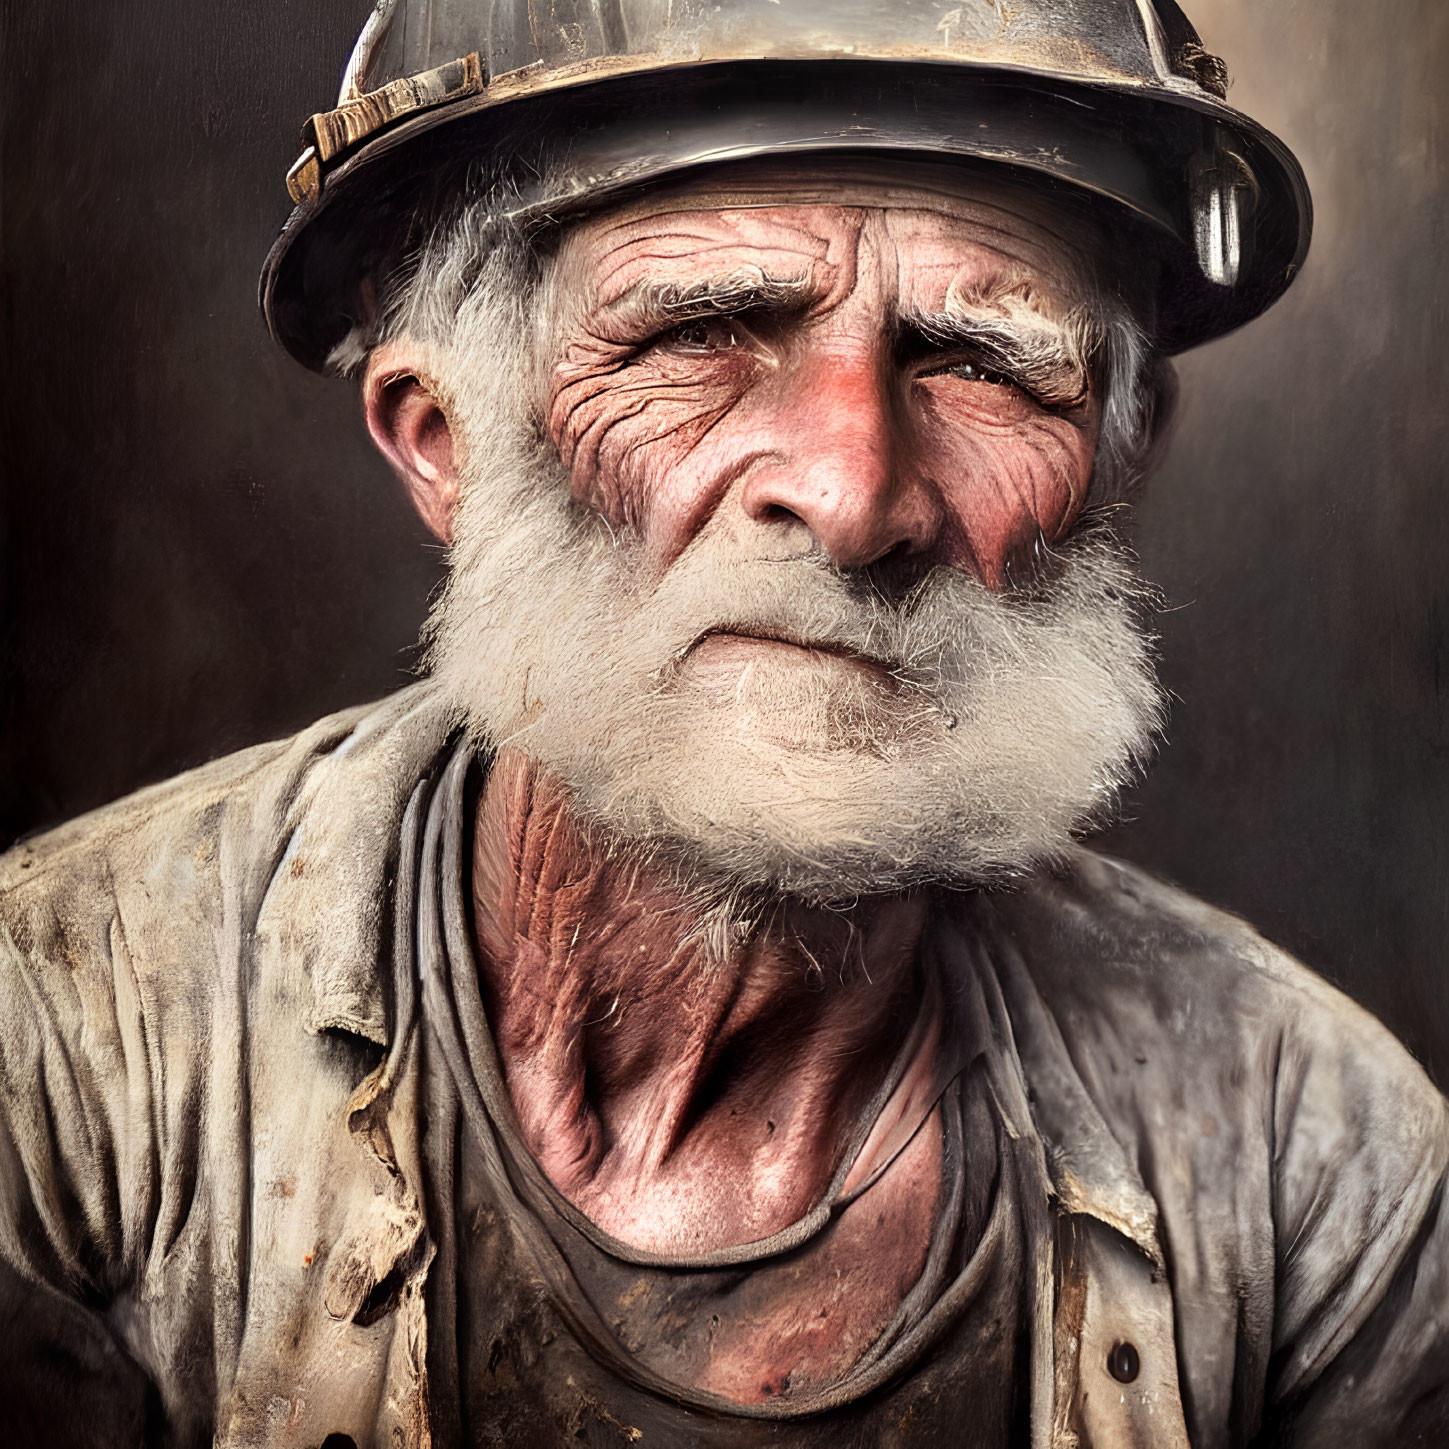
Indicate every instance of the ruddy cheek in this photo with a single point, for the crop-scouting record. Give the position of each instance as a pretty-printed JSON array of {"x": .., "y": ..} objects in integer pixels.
[{"x": 1002, "y": 489}]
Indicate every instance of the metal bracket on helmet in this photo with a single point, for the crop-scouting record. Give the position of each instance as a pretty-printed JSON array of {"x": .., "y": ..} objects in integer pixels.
[{"x": 1224, "y": 192}]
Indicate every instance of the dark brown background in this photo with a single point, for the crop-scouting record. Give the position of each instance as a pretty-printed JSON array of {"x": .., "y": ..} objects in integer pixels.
[{"x": 200, "y": 550}]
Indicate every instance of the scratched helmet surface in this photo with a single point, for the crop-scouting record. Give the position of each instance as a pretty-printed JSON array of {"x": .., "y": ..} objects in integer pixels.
[{"x": 578, "y": 102}]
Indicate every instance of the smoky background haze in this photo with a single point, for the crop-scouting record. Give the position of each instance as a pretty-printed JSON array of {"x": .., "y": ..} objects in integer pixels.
[{"x": 200, "y": 549}]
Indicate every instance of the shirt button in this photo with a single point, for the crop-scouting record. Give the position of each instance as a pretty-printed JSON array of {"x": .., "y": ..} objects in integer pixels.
[{"x": 1123, "y": 1363}]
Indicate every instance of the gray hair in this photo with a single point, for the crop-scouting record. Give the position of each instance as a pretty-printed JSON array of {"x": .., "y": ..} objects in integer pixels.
[{"x": 473, "y": 257}]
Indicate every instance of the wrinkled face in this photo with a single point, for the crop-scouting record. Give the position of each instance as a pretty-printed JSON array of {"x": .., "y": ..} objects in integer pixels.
[
  {"x": 900, "y": 371},
  {"x": 772, "y": 566}
]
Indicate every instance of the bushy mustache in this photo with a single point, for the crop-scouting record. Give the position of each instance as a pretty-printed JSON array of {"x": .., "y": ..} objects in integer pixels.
[{"x": 928, "y": 631}]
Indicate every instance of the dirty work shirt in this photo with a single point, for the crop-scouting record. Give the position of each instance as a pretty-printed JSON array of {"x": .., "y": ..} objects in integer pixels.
[
  {"x": 218, "y": 1226},
  {"x": 545, "y": 1330}
]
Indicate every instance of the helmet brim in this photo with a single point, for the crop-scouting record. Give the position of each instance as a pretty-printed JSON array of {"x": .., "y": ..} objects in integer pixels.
[{"x": 1130, "y": 151}]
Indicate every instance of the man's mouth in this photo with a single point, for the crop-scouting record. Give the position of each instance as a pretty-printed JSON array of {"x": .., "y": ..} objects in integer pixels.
[{"x": 734, "y": 646}]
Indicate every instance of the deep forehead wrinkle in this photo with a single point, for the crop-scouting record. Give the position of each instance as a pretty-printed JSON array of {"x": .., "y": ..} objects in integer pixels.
[
  {"x": 934, "y": 252},
  {"x": 953, "y": 258},
  {"x": 703, "y": 233}
]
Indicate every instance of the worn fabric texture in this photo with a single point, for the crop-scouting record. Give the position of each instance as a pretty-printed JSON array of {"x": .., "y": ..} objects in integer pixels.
[{"x": 233, "y": 1151}]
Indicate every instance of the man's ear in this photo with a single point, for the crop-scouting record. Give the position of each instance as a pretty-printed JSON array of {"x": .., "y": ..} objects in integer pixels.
[{"x": 411, "y": 429}]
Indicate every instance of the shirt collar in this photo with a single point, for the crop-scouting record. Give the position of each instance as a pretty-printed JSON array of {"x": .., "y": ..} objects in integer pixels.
[{"x": 327, "y": 908}]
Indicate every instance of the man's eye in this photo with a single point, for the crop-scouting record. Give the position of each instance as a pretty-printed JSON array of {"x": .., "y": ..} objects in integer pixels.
[
  {"x": 973, "y": 372},
  {"x": 704, "y": 334}
]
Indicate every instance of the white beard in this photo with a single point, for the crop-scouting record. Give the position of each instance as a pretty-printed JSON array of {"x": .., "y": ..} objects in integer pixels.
[{"x": 1007, "y": 723}]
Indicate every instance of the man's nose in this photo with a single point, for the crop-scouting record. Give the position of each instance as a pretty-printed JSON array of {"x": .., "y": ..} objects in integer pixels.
[{"x": 839, "y": 465}]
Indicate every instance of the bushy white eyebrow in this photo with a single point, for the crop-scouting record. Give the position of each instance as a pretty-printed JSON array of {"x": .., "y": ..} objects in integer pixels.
[
  {"x": 1049, "y": 358},
  {"x": 727, "y": 294}
]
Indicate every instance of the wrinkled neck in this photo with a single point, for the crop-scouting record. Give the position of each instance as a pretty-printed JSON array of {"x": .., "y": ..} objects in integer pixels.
[{"x": 639, "y": 1045}]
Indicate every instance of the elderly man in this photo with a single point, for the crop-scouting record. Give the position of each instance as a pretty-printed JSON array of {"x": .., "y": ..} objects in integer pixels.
[{"x": 687, "y": 1017}]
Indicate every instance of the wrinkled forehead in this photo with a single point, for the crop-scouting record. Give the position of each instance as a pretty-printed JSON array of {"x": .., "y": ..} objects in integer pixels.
[{"x": 936, "y": 230}]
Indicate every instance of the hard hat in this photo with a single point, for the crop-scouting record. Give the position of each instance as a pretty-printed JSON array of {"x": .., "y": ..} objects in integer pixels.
[{"x": 576, "y": 102}]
